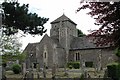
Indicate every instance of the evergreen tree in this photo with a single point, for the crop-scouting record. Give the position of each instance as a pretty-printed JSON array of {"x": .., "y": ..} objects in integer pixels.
[
  {"x": 80, "y": 33},
  {"x": 17, "y": 17}
]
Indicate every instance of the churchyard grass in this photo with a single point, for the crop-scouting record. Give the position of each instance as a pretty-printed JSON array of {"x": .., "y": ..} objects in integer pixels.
[{"x": 72, "y": 73}]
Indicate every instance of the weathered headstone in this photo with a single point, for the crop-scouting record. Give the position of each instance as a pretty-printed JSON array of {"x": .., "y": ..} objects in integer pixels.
[
  {"x": 38, "y": 75},
  {"x": 30, "y": 75},
  {"x": 17, "y": 61},
  {"x": 0, "y": 72},
  {"x": 24, "y": 68},
  {"x": 0, "y": 67},
  {"x": 3, "y": 73},
  {"x": 38, "y": 67},
  {"x": 53, "y": 71},
  {"x": 44, "y": 72}
]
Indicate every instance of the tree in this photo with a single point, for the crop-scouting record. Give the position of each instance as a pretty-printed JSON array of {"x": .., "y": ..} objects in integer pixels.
[
  {"x": 80, "y": 33},
  {"x": 10, "y": 48},
  {"x": 117, "y": 52},
  {"x": 18, "y": 18},
  {"x": 107, "y": 16}
]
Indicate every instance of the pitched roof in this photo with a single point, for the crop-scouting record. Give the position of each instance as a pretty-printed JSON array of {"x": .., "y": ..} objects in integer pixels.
[
  {"x": 46, "y": 37},
  {"x": 52, "y": 39},
  {"x": 63, "y": 18},
  {"x": 31, "y": 47},
  {"x": 81, "y": 43}
]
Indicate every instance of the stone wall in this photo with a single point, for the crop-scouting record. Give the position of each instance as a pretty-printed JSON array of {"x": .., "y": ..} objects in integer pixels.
[
  {"x": 49, "y": 50},
  {"x": 99, "y": 57},
  {"x": 55, "y": 54}
]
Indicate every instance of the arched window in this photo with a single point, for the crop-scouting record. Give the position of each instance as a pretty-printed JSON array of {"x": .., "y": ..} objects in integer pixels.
[
  {"x": 45, "y": 55},
  {"x": 77, "y": 56}
]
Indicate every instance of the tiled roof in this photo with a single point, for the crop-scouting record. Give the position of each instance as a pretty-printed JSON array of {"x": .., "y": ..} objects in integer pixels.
[
  {"x": 63, "y": 18},
  {"x": 31, "y": 47},
  {"x": 81, "y": 43}
]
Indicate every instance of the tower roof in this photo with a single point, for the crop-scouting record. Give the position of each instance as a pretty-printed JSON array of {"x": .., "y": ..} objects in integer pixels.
[{"x": 63, "y": 18}]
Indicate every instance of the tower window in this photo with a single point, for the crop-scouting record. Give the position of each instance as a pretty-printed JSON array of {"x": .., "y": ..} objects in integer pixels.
[{"x": 62, "y": 24}]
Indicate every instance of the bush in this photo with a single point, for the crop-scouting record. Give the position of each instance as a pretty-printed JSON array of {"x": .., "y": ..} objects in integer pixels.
[
  {"x": 70, "y": 67},
  {"x": 82, "y": 77},
  {"x": 75, "y": 65},
  {"x": 69, "y": 64},
  {"x": 4, "y": 64},
  {"x": 16, "y": 68},
  {"x": 89, "y": 64},
  {"x": 114, "y": 70},
  {"x": 117, "y": 52}
]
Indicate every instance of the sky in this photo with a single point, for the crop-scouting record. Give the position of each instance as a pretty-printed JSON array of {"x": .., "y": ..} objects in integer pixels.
[{"x": 53, "y": 9}]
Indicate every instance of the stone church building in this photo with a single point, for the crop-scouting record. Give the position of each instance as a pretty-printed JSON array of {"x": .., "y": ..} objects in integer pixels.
[{"x": 63, "y": 45}]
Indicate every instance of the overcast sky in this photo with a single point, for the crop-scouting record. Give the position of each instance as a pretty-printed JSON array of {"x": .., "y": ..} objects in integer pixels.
[{"x": 53, "y": 9}]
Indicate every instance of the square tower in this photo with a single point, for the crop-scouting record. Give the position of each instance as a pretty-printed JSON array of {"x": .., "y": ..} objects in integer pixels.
[{"x": 62, "y": 29}]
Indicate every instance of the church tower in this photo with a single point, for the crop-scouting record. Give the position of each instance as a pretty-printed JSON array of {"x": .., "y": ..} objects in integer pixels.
[{"x": 63, "y": 29}]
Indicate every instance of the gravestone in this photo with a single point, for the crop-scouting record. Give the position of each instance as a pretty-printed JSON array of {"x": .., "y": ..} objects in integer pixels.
[
  {"x": 53, "y": 72},
  {"x": 30, "y": 75},
  {"x": 0, "y": 72},
  {"x": 3, "y": 73},
  {"x": 44, "y": 72},
  {"x": 24, "y": 68},
  {"x": 0, "y": 67}
]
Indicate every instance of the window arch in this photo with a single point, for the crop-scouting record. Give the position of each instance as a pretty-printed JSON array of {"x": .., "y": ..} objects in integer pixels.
[
  {"x": 77, "y": 55},
  {"x": 45, "y": 55}
]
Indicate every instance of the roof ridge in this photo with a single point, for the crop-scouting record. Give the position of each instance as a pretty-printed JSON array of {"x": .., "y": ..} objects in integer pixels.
[{"x": 63, "y": 18}]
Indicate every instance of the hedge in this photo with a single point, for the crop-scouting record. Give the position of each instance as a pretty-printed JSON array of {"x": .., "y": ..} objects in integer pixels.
[
  {"x": 89, "y": 64},
  {"x": 117, "y": 52},
  {"x": 114, "y": 70},
  {"x": 75, "y": 65}
]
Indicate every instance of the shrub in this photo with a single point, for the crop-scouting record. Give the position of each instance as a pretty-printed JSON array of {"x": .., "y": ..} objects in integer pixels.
[
  {"x": 4, "y": 64},
  {"x": 75, "y": 65},
  {"x": 68, "y": 64},
  {"x": 70, "y": 67},
  {"x": 117, "y": 52},
  {"x": 16, "y": 68},
  {"x": 82, "y": 77},
  {"x": 89, "y": 64},
  {"x": 114, "y": 70}
]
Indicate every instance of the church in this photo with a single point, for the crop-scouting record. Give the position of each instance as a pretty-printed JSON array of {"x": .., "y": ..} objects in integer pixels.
[{"x": 63, "y": 46}]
